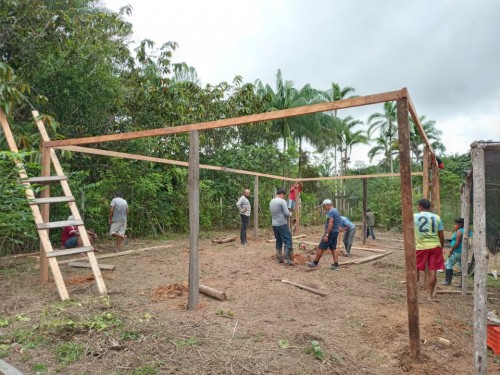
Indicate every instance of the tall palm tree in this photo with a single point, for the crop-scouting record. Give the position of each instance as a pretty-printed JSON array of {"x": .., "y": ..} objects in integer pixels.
[
  {"x": 416, "y": 141},
  {"x": 386, "y": 123},
  {"x": 299, "y": 128},
  {"x": 382, "y": 146},
  {"x": 348, "y": 137}
]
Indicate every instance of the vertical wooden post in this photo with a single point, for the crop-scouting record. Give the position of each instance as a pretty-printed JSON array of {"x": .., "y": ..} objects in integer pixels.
[
  {"x": 256, "y": 207},
  {"x": 481, "y": 257},
  {"x": 434, "y": 173},
  {"x": 409, "y": 234},
  {"x": 298, "y": 208},
  {"x": 45, "y": 212},
  {"x": 465, "y": 212},
  {"x": 365, "y": 193},
  {"x": 425, "y": 170},
  {"x": 194, "y": 219}
]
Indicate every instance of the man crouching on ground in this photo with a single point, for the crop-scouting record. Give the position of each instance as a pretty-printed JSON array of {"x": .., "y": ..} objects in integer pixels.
[{"x": 329, "y": 240}]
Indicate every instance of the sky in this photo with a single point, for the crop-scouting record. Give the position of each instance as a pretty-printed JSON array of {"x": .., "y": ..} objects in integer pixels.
[{"x": 445, "y": 52}]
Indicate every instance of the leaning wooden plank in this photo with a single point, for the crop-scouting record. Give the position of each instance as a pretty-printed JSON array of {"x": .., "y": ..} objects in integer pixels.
[
  {"x": 128, "y": 252},
  {"x": 224, "y": 240},
  {"x": 211, "y": 292},
  {"x": 102, "y": 266},
  {"x": 312, "y": 290},
  {"x": 369, "y": 259},
  {"x": 7, "y": 369}
]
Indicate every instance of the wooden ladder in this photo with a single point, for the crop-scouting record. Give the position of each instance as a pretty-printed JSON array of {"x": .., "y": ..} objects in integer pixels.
[{"x": 40, "y": 209}]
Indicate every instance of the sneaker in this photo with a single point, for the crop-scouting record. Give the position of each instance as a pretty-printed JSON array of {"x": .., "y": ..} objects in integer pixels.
[
  {"x": 311, "y": 264},
  {"x": 334, "y": 267},
  {"x": 289, "y": 263}
]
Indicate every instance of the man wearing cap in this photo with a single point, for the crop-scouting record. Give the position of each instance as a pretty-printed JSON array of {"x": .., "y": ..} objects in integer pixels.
[
  {"x": 280, "y": 215},
  {"x": 329, "y": 240}
]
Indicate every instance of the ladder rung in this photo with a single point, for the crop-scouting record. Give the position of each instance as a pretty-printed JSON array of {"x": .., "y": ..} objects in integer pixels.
[
  {"x": 76, "y": 250},
  {"x": 52, "y": 200},
  {"x": 45, "y": 179},
  {"x": 59, "y": 224}
]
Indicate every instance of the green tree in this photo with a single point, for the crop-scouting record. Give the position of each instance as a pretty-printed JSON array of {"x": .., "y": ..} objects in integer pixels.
[
  {"x": 386, "y": 123},
  {"x": 416, "y": 141}
]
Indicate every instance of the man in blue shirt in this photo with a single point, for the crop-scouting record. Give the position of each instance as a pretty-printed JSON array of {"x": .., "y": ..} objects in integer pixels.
[
  {"x": 329, "y": 240},
  {"x": 350, "y": 232}
]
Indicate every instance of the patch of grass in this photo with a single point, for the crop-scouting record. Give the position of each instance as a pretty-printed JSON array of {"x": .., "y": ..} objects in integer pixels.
[
  {"x": 316, "y": 350},
  {"x": 283, "y": 344},
  {"x": 39, "y": 367},
  {"x": 145, "y": 370},
  {"x": 4, "y": 322},
  {"x": 69, "y": 352},
  {"x": 227, "y": 314},
  {"x": 130, "y": 335},
  {"x": 186, "y": 342},
  {"x": 102, "y": 322},
  {"x": 28, "y": 338}
]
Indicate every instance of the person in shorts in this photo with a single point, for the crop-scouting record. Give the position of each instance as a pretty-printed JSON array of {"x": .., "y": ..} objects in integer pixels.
[
  {"x": 118, "y": 213},
  {"x": 329, "y": 239},
  {"x": 429, "y": 240}
]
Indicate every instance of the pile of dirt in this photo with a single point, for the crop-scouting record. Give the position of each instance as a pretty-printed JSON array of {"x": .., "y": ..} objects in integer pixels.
[
  {"x": 77, "y": 280},
  {"x": 170, "y": 291},
  {"x": 298, "y": 259}
]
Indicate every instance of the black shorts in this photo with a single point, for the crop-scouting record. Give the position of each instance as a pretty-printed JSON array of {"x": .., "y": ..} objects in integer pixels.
[{"x": 332, "y": 242}]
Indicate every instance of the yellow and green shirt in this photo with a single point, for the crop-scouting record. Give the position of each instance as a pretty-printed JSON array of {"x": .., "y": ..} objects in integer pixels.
[{"x": 427, "y": 225}]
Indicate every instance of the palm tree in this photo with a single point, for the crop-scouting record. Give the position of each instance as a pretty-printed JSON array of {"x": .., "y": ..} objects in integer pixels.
[
  {"x": 386, "y": 124},
  {"x": 416, "y": 140},
  {"x": 385, "y": 148},
  {"x": 348, "y": 137},
  {"x": 299, "y": 128}
]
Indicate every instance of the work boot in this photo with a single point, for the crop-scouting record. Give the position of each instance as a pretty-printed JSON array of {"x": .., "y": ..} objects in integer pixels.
[
  {"x": 279, "y": 256},
  {"x": 448, "y": 277}
]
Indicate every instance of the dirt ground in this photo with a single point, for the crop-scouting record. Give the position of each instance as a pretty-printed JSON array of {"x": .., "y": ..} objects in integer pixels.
[{"x": 264, "y": 327}]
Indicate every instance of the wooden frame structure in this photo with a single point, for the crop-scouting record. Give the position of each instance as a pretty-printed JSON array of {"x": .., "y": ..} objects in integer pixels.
[{"x": 404, "y": 106}]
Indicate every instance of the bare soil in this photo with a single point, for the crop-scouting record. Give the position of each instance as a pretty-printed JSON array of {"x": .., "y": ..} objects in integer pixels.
[{"x": 264, "y": 327}]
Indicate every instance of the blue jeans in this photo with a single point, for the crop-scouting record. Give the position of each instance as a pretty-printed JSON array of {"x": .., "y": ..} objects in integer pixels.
[
  {"x": 454, "y": 259},
  {"x": 370, "y": 232},
  {"x": 245, "y": 219},
  {"x": 283, "y": 236}
]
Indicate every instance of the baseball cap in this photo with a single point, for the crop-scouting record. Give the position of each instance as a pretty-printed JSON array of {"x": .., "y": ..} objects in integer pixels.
[{"x": 327, "y": 201}]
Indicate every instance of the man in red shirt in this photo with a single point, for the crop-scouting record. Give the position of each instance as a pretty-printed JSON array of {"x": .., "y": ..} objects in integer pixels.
[
  {"x": 70, "y": 236},
  {"x": 294, "y": 193}
]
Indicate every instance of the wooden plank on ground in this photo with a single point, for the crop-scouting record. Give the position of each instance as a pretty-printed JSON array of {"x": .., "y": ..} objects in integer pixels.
[
  {"x": 312, "y": 290},
  {"x": 7, "y": 369},
  {"x": 369, "y": 249},
  {"x": 102, "y": 266},
  {"x": 214, "y": 293},
  {"x": 369, "y": 259}
]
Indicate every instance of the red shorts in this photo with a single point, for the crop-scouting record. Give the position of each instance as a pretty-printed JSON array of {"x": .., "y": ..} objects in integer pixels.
[{"x": 434, "y": 257}]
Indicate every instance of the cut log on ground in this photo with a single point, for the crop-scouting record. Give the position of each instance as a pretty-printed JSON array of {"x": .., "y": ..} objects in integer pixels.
[
  {"x": 119, "y": 254},
  {"x": 369, "y": 259},
  {"x": 294, "y": 237},
  {"x": 312, "y": 290},
  {"x": 108, "y": 267},
  {"x": 224, "y": 240},
  {"x": 211, "y": 292}
]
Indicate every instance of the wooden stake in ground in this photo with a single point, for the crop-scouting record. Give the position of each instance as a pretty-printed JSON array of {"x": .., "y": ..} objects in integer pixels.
[
  {"x": 481, "y": 258},
  {"x": 409, "y": 235},
  {"x": 312, "y": 290},
  {"x": 194, "y": 219}
]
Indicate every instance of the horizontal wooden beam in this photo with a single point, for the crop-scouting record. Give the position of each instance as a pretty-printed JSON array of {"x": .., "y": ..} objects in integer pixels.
[
  {"x": 268, "y": 116},
  {"x": 95, "y": 151},
  {"x": 418, "y": 124}
]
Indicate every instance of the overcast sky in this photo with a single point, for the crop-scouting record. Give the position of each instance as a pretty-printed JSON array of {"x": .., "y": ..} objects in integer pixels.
[{"x": 447, "y": 52}]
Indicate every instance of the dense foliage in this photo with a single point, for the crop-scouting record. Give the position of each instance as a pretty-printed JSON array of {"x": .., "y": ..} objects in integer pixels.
[{"x": 73, "y": 62}]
